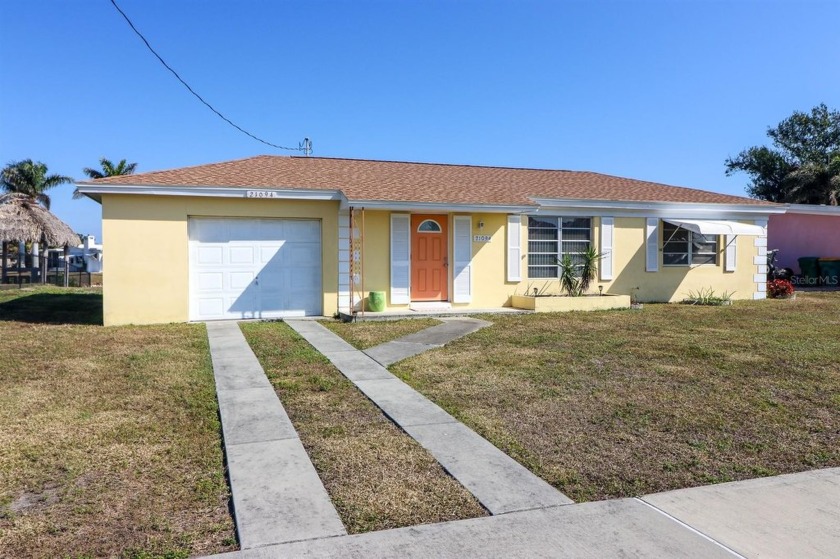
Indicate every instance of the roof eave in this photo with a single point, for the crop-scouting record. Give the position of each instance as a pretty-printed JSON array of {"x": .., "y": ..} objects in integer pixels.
[
  {"x": 406, "y": 206},
  {"x": 812, "y": 209},
  {"x": 96, "y": 191},
  {"x": 630, "y": 208}
]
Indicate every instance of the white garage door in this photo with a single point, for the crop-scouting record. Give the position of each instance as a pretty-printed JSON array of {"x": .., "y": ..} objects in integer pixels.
[{"x": 254, "y": 268}]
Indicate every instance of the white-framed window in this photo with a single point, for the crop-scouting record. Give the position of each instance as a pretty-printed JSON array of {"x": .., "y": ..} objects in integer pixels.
[
  {"x": 550, "y": 238},
  {"x": 681, "y": 247}
]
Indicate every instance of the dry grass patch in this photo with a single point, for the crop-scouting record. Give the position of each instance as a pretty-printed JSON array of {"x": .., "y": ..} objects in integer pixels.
[
  {"x": 109, "y": 437},
  {"x": 377, "y": 476},
  {"x": 369, "y": 333},
  {"x": 620, "y": 403}
]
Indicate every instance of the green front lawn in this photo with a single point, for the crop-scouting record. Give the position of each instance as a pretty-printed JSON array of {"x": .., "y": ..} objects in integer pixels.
[
  {"x": 621, "y": 403},
  {"x": 109, "y": 437}
]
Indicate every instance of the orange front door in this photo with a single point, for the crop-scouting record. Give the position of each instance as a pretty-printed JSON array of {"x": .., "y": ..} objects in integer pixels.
[{"x": 429, "y": 258}]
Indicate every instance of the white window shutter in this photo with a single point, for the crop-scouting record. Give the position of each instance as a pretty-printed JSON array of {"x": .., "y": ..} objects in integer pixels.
[
  {"x": 514, "y": 248},
  {"x": 606, "y": 264},
  {"x": 400, "y": 259},
  {"x": 730, "y": 252},
  {"x": 652, "y": 245},
  {"x": 462, "y": 273}
]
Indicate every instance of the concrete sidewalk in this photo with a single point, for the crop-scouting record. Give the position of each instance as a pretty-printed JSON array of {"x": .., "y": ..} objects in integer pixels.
[
  {"x": 277, "y": 494},
  {"x": 794, "y": 515},
  {"x": 500, "y": 484},
  {"x": 606, "y": 529}
]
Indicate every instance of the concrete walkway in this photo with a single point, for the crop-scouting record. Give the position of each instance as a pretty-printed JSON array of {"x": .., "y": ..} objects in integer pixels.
[
  {"x": 499, "y": 483},
  {"x": 277, "y": 494},
  {"x": 437, "y": 336}
]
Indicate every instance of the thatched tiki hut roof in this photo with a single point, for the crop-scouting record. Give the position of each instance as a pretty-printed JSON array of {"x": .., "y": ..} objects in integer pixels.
[{"x": 23, "y": 219}]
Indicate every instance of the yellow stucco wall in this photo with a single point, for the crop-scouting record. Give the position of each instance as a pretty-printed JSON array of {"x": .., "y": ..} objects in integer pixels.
[
  {"x": 146, "y": 239},
  {"x": 670, "y": 283},
  {"x": 489, "y": 287},
  {"x": 147, "y": 267},
  {"x": 377, "y": 251}
]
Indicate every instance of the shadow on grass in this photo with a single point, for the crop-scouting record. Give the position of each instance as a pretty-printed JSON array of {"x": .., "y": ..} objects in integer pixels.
[{"x": 54, "y": 308}]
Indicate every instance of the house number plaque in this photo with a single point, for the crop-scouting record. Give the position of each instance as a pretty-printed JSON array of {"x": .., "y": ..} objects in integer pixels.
[
  {"x": 481, "y": 238},
  {"x": 260, "y": 194}
]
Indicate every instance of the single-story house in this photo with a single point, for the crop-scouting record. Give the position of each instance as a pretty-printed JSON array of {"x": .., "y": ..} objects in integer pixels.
[
  {"x": 278, "y": 236},
  {"x": 804, "y": 230}
]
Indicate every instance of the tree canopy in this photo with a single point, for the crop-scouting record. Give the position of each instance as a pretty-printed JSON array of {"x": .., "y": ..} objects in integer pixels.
[
  {"x": 30, "y": 178},
  {"x": 803, "y": 164},
  {"x": 107, "y": 169}
]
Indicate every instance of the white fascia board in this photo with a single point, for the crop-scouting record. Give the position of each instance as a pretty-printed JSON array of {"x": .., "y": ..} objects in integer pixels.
[
  {"x": 436, "y": 207},
  {"x": 95, "y": 191},
  {"x": 812, "y": 209},
  {"x": 618, "y": 208}
]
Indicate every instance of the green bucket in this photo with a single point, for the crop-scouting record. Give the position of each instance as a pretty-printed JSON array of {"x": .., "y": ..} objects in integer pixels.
[{"x": 376, "y": 301}]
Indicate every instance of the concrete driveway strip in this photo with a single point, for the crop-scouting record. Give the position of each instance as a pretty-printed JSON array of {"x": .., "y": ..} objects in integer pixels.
[
  {"x": 794, "y": 515},
  {"x": 277, "y": 495},
  {"x": 620, "y": 528},
  {"x": 500, "y": 484}
]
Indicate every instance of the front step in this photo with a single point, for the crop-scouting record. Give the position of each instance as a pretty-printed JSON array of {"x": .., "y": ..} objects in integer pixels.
[{"x": 430, "y": 306}]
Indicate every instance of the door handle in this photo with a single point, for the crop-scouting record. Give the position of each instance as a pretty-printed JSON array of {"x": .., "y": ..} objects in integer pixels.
[{"x": 445, "y": 261}]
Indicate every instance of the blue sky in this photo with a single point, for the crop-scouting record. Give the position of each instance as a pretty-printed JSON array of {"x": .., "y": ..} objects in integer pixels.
[{"x": 655, "y": 90}]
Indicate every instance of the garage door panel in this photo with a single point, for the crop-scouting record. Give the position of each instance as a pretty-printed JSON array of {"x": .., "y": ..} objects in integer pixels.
[
  {"x": 208, "y": 281},
  {"x": 270, "y": 252},
  {"x": 300, "y": 282},
  {"x": 209, "y": 230},
  {"x": 242, "y": 230},
  {"x": 241, "y": 280},
  {"x": 303, "y": 254},
  {"x": 242, "y": 254},
  {"x": 209, "y": 255},
  {"x": 301, "y": 229},
  {"x": 243, "y": 305},
  {"x": 211, "y": 306},
  {"x": 261, "y": 268}
]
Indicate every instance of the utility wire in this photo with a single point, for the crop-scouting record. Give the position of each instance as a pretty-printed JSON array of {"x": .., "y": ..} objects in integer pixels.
[{"x": 191, "y": 90}]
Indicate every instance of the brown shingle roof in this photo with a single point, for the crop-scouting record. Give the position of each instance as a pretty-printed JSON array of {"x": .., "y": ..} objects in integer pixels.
[{"x": 421, "y": 182}]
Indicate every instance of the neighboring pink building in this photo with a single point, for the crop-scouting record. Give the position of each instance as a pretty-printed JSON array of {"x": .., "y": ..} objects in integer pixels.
[{"x": 804, "y": 230}]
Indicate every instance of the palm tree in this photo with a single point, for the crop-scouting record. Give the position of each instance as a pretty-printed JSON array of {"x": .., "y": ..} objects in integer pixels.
[
  {"x": 30, "y": 178},
  {"x": 108, "y": 170}
]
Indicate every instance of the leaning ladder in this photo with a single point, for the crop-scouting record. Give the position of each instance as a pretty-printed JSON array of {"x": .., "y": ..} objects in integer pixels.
[{"x": 357, "y": 260}]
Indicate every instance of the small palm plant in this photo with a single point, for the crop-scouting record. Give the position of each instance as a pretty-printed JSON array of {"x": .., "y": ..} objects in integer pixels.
[{"x": 575, "y": 278}]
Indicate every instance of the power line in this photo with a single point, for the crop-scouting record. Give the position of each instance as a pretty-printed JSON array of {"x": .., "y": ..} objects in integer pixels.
[{"x": 199, "y": 97}]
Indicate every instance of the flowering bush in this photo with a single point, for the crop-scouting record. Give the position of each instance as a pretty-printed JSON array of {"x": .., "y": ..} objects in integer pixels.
[{"x": 779, "y": 288}]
